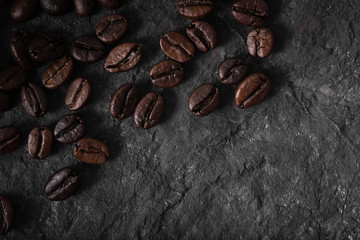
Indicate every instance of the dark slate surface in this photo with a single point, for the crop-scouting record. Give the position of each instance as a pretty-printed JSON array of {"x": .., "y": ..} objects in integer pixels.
[{"x": 285, "y": 169}]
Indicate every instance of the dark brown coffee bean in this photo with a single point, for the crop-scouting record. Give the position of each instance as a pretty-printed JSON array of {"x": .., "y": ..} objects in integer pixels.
[
  {"x": 34, "y": 100},
  {"x": 23, "y": 10},
  {"x": 19, "y": 43},
  {"x": 56, "y": 7},
  {"x": 9, "y": 139},
  {"x": 260, "y": 42},
  {"x": 84, "y": 7},
  {"x": 39, "y": 142},
  {"x": 203, "y": 35},
  {"x": 69, "y": 129},
  {"x": 166, "y": 74},
  {"x": 12, "y": 78},
  {"x": 57, "y": 73},
  {"x": 5, "y": 101},
  {"x": 123, "y": 101},
  {"x": 77, "y": 93},
  {"x": 177, "y": 47},
  {"x": 250, "y": 12},
  {"x": 111, "y": 28},
  {"x": 204, "y": 100},
  {"x": 252, "y": 90},
  {"x": 46, "y": 47},
  {"x": 62, "y": 184},
  {"x": 87, "y": 49},
  {"x": 110, "y": 4},
  {"x": 123, "y": 57},
  {"x": 232, "y": 71},
  {"x": 91, "y": 151},
  {"x": 6, "y": 215},
  {"x": 195, "y": 9},
  {"x": 149, "y": 110}
]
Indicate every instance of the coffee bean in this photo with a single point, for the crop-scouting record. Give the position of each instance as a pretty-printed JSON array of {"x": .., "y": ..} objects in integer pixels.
[
  {"x": 34, "y": 100},
  {"x": 23, "y": 10},
  {"x": 177, "y": 47},
  {"x": 110, "y": 4},
  {"x": 123, "y": 101},
  {"x": 19, "y": 43},
  {"x": 55, "y": 7},
  {"x": 9, "y": 139},
  {"x": 166, "y": 74},
  {"x": 87, "y": 49},
  {"x": 149, "y": 110},
  {"x": 56, "y": 74},
  {"x": 6, "y": 215},
  {"x": 77, "y": 93},
  {"x": 111, "y": 28},
  {"x": 250, "y": 12},
  {"x": 204, "y": 100},
  {"x": 69, "y": 129},
  {"x": 84, "y": 7},
  {"x": 12, "y": 78},
  {"x": 203, "y": 35},
  {"x": 90, "y": 150},
  {"x": 62, "y": 184},
  {"x": 195, "y": 9},
  {"x": 260, "y": 42},
  {"x": 232, "y": 71},
  {"x": 252, "y": 90},
  {"x": 39, "y": 142},
  {"x": 46, "y": 47},
  {"x": 123, "y": 57},
  {"x": 5, "y": 101}
]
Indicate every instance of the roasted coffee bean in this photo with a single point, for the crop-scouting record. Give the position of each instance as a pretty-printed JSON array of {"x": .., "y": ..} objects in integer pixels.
[
  {"x": 260, "y": 42},
  {"x": 204, "y": 99},
  {"x": 252, "y": 90},
  {"x": 5, "y": 101},
  {"x": 232, "y": 71},
  {"x": 12, "y": 78},
  {"x": 111, "y": 28},
  {"x": 39, "y": 142},
  {"x": 84, "y": 7},
  {"x": 57, "y": 73},
  {"x": 87, "y": 49},
  {"x": 177, "y": 47},
  {"x": 19, "y": 43},
  {"x": 62, "y": 184},
  {"x": 23, "y": 10},
  {"x": 69, "y": 129},
  {"x": 34, "y": 100},
  {"x": 149, "y": 110},
  {"x": 166, "y": 74},
  {"x": 9, "y": 139},
  {"x": 203, "y": 35},
  {"x": 77, "y": 93},
  {"x": 56, "y": 7},
  {"x": 250, "y": 12},
  {"x": 123, "y": 57},
  {"x": 123, "y": 101},
  {"x": 195, "y": 9},
  {"x": 110, "y": 4},
  {"x": 91, "y": 151},
  {"x": 46, "y": 47},
  {"x": 6, "y": 215}
]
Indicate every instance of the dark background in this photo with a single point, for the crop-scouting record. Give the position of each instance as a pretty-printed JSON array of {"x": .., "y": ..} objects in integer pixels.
[{"x": 287, "y": 168}]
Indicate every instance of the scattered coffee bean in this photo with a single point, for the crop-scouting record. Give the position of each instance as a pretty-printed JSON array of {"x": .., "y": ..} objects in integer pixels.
[
  {"x": 23, "y": 10},
  {"x": 260, "y": 42},
  {"x": 250, "y": 12},
  {"x": 203, "y": 35},
  {"x": 123, "y": 101},
  {"x": 9, "y": 139},
  {"x": 57, "y": 73},
  {"x": 111, "y": 28},
  {"x": 5, "y": 101},
  {"x": 110, "y": 4},
  {"x": 56, "y": 7},
  {"x": 6, "y": 215},
  {"x": 90, "y": 150},
  {"x": 87, "y": 49},
  {"x": 177, "y": 47},
  {"x": 39, "y": 142},
  {"x": 166, "y": 74},
  {"x": 84, "y": 7},
  {"x": 252, "y": 90},
  {"x": 149, "y": 110},
  {"x": 195, "y": 9},
  {"x": 46, "y": 47},
  {"x": 69, "y": 129},
  {"x": 19, "y": 43},
  {"x": 204, "y": 100},
  {"x": 123, "y": 57},
  {"x": 77, "y": 93},
  {"x": 12, "y": 78},
  {"x": 34, "y": 100},
  {"x": 62, "y": 184},
  {"x": 232, "y": 71}
]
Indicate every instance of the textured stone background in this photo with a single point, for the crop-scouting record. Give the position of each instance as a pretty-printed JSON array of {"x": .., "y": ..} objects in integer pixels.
[{"x": 285, "y": 169}]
